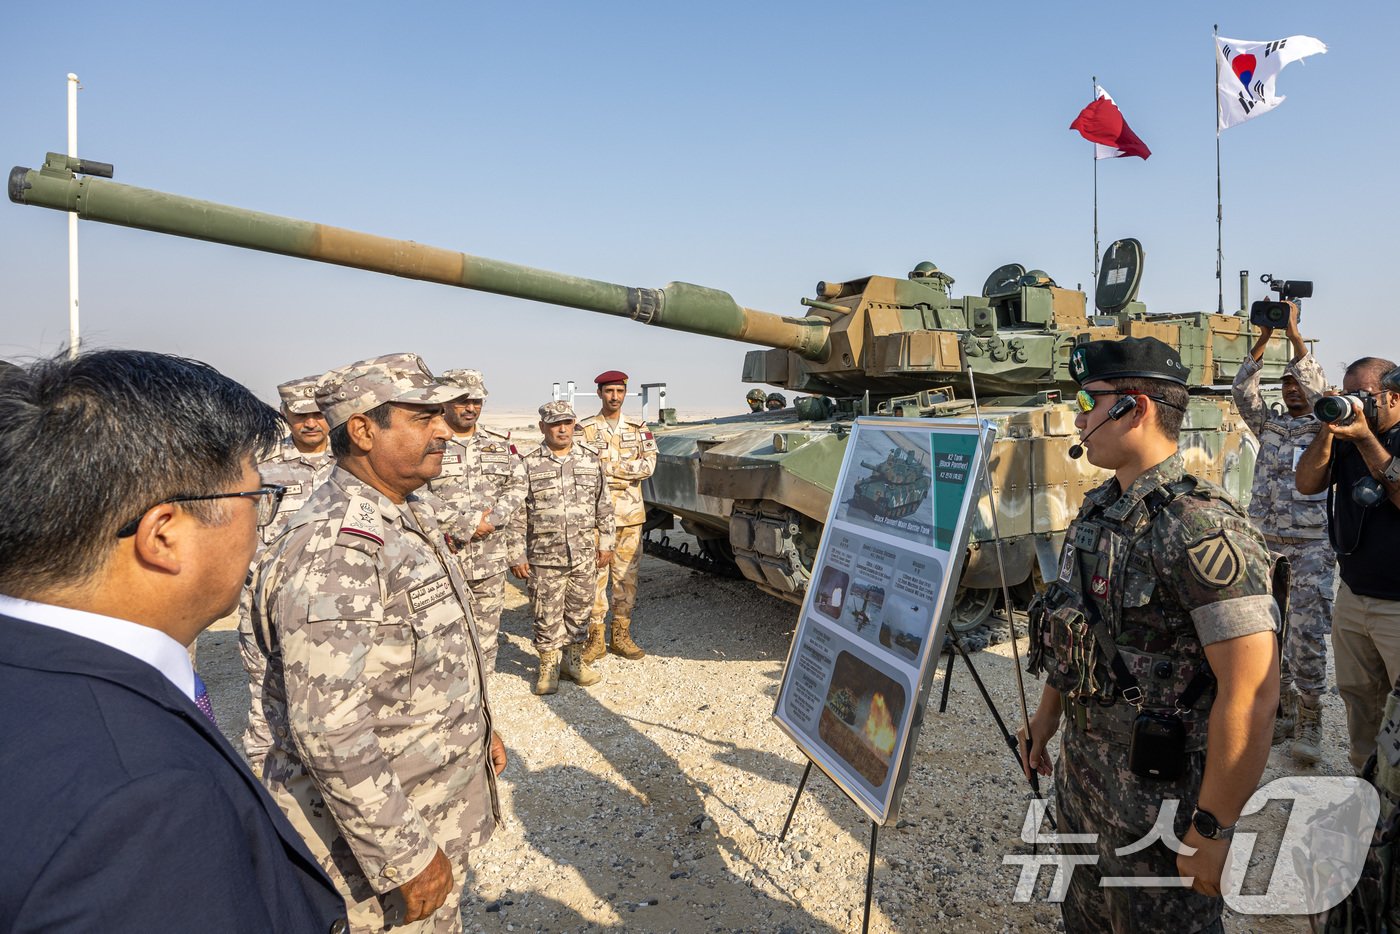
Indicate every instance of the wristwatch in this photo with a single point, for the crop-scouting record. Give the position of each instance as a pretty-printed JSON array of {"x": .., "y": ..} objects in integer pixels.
[
  {"x": 1391, "y": 474},
  {"x": 1207, "y": 826}
]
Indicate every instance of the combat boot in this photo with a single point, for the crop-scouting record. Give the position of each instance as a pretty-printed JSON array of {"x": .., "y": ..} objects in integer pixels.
[
  {"x": 1287, "y": 718},
  {"x": 622, "y": 643},
  {"x": 597, "y": 645},
  {"x": 575, "y": 668},
  {"x": 547, "y": 682},
  {"x": 1307, "y": 748}
]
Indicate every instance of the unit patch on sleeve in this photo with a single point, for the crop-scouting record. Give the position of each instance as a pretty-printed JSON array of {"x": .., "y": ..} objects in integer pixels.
[{"x": 1214, "y": 560}]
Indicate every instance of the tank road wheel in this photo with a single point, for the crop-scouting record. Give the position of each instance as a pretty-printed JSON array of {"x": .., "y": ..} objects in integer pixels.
[{"x": 971, "y": 607}]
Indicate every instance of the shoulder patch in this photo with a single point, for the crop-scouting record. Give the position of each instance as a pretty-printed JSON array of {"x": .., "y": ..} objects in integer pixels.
[
  {"x": 1215, "y": 560},
  {"x": 362, "y": 520}
]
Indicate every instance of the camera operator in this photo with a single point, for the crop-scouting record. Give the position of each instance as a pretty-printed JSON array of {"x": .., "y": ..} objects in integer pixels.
[
  {"x": 1294, "y": 525},
  {"x": 1353, "y": 459}
]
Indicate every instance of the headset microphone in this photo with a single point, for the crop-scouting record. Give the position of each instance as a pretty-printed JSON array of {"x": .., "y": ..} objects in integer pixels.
[{"x": 1120, "y": 408}]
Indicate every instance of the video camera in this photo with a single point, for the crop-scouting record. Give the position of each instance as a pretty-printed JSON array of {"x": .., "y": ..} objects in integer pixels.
[{"x": 1267, "y": 314}]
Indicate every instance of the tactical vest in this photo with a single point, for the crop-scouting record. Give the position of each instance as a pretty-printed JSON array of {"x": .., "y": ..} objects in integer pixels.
[{"x": 1108, "y": 589}]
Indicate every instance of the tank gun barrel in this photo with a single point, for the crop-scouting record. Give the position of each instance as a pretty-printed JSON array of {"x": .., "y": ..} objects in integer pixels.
[{"x": 680, "y": 306}]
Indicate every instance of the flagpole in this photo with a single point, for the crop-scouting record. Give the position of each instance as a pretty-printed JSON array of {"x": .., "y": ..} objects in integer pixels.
[
  {"x": 1094, "y": 154},
  {"x": 1219, "y": 210}
]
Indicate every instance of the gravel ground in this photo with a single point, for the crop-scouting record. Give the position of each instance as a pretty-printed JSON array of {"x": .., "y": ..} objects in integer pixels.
[{"x": 653, "y": 800}]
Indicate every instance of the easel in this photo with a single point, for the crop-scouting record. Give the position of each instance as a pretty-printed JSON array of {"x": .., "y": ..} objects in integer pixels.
[{"x": 956, "y": 641}]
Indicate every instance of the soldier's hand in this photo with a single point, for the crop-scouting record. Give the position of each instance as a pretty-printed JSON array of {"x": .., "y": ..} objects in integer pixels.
[
  {"x": 521, "y": 571},
  {"x": 483, "y": 528},
  {"x": 1204, "y": 866},
  {"x": 604, "y": 557},
  {"x": 498, "y": 753},
  {"x": 425, "y": 892}
]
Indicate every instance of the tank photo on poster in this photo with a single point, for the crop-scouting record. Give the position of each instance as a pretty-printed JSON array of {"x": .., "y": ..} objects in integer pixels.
[{"x": 887, "y": 487}]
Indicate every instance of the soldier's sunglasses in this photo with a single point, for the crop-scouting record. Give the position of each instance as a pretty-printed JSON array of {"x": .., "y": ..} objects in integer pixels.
[{"x": 269, "y": 498}]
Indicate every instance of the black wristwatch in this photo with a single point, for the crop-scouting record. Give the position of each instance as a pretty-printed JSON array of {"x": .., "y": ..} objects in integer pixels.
[{"x": 1207, "y": 826}]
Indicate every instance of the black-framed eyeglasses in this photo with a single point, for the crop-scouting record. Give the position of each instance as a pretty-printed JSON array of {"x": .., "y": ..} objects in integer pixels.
[{"x": 269, "y": 497}]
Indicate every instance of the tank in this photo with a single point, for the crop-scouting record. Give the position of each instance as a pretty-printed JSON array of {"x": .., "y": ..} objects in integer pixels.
[{"x": 754, "y": 489}]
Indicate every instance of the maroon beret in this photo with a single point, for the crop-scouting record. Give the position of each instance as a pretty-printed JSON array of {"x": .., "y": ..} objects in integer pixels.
[{"x": 612, "y": 376}]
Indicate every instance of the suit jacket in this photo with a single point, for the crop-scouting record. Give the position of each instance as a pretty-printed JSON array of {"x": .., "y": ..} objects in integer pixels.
[{"x": 123, "y": 809}]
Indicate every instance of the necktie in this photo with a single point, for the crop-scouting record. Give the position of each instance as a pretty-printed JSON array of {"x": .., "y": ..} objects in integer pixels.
[{"x": 201, "y": 699}]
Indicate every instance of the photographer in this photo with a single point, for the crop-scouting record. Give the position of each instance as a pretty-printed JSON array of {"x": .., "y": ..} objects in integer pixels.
[
  {"x": 1353, "y": 459},
  {"x": 1294, "y": 525}
]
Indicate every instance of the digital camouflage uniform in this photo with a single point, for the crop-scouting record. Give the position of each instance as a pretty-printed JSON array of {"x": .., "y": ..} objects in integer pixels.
[
  {"x": 299, "y": 473},
  {"x": 628, "y": 452},
  {"x": 481, "y": 472},
  {"x": 1165, "y": 587},
  {"x": 1294, "y": 524},
  {"x": 567, "y": 520},
  {"x": 375, "y": 694}
]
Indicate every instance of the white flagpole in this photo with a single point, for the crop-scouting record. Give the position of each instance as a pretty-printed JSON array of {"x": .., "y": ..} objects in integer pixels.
[
  {"x": 1094, "y": 154},
  {"x": 72, "y": 222},
  {"x": 1219, "y": 210}
]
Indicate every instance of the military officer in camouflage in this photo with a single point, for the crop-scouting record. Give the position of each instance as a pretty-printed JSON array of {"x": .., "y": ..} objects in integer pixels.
[
  {"x": 483, "y": 481},
  {"x": 1161, "y": 573},
  {"x": 1294, "y": 525},
  {"x": 383, "y": 753},
  {"x": 565, "y": 535},
  {"x": 628, "y": 451},
  {"x": 298, "y": 465}
]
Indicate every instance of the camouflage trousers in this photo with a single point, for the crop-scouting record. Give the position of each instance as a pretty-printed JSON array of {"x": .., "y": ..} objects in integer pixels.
[
  {"x": 627, "y": 558},
  {"x": 488, "y": 596},
  {"x": 1314, "y": 566},
  {"x": 463, "y": 828},
  {"x": 560, "y": 599},
  {"x": 1095, "y": 793}
]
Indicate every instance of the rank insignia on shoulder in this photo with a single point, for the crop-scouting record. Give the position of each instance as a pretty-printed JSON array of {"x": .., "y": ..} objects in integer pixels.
[
  {"x": 362, "y": 520},
  {"x": 1214, "y": 560}
]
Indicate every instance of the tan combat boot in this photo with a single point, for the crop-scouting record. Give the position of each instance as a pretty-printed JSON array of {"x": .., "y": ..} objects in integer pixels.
[
  {"x": 547, "y": 682},
  {"x": 1307, "y": 748},
  {"x": 575, "y": 668},
  {"x": 1287, "y": 718},
  {"x": 622, "y": 643},
  {"x": 597, "y": 645}
]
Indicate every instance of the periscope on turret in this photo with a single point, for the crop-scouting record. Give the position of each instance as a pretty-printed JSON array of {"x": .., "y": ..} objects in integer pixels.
[{"x": 754, "y": 489}]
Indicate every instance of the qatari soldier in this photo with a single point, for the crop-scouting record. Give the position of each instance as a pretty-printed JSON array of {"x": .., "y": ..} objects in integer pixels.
[
  {"x": 1294, "y": 525},
  {"x": 483, "y": 482},
  {"x": 383, "y": 753}
]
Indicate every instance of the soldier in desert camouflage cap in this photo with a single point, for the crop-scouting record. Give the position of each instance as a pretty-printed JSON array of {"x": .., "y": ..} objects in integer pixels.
[
  {"x": 563, "y": 535},
  {"x": 483, "y": 483},
  {"x": 383, "y": 751},
  {"x": 299, "y": 464}
]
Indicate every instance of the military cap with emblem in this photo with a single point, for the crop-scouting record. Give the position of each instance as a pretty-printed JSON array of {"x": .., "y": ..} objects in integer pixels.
[
  {"x": 1129, "y": 358},
  {"x": 470, "y": 380},
  {"x": 611, "y": 376},
  {"x": 299, "y": 395},
  {"x": 552, "y": 413},
  {"x": 358, "y": 387}
]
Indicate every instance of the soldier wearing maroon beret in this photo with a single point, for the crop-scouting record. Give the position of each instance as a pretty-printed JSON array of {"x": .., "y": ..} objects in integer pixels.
[{"x": 628, "y": 453}]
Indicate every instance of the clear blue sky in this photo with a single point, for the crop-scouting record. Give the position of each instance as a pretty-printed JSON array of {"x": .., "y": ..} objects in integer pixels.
[{"x": 752, "y": 147}]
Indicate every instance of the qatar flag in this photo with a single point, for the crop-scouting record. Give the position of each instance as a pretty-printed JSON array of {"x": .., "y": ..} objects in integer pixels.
[{"x": 1102, "y": 124}]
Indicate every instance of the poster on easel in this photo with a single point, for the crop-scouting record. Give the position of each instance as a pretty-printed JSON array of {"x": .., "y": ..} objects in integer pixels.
[{"x": 882, "y": 590}]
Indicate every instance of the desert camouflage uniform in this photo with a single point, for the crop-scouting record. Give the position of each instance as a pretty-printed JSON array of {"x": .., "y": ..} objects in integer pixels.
[
  {"x": 376, "y": 696},
  {"x": 1294, "y": 524},
  {"x": 1198, "y": 573},
  {"x": 300, "y": 474},
  {"x": 481, "y": 472},
  {"x": 567, "y": 520},
  {"x": 629, "y": 457}
]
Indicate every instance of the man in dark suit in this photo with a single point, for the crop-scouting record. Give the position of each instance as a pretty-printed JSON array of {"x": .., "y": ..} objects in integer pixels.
[{"x": 129, "y": 509}]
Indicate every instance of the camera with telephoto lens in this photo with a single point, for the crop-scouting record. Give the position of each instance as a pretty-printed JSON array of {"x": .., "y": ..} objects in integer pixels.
[
  {"x": 1268, "y": 314},
  {"x": 1339, "y": 410}
]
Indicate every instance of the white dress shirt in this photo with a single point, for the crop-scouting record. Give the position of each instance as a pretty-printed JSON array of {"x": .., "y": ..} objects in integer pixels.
[{"x": 149, "y": 645}]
